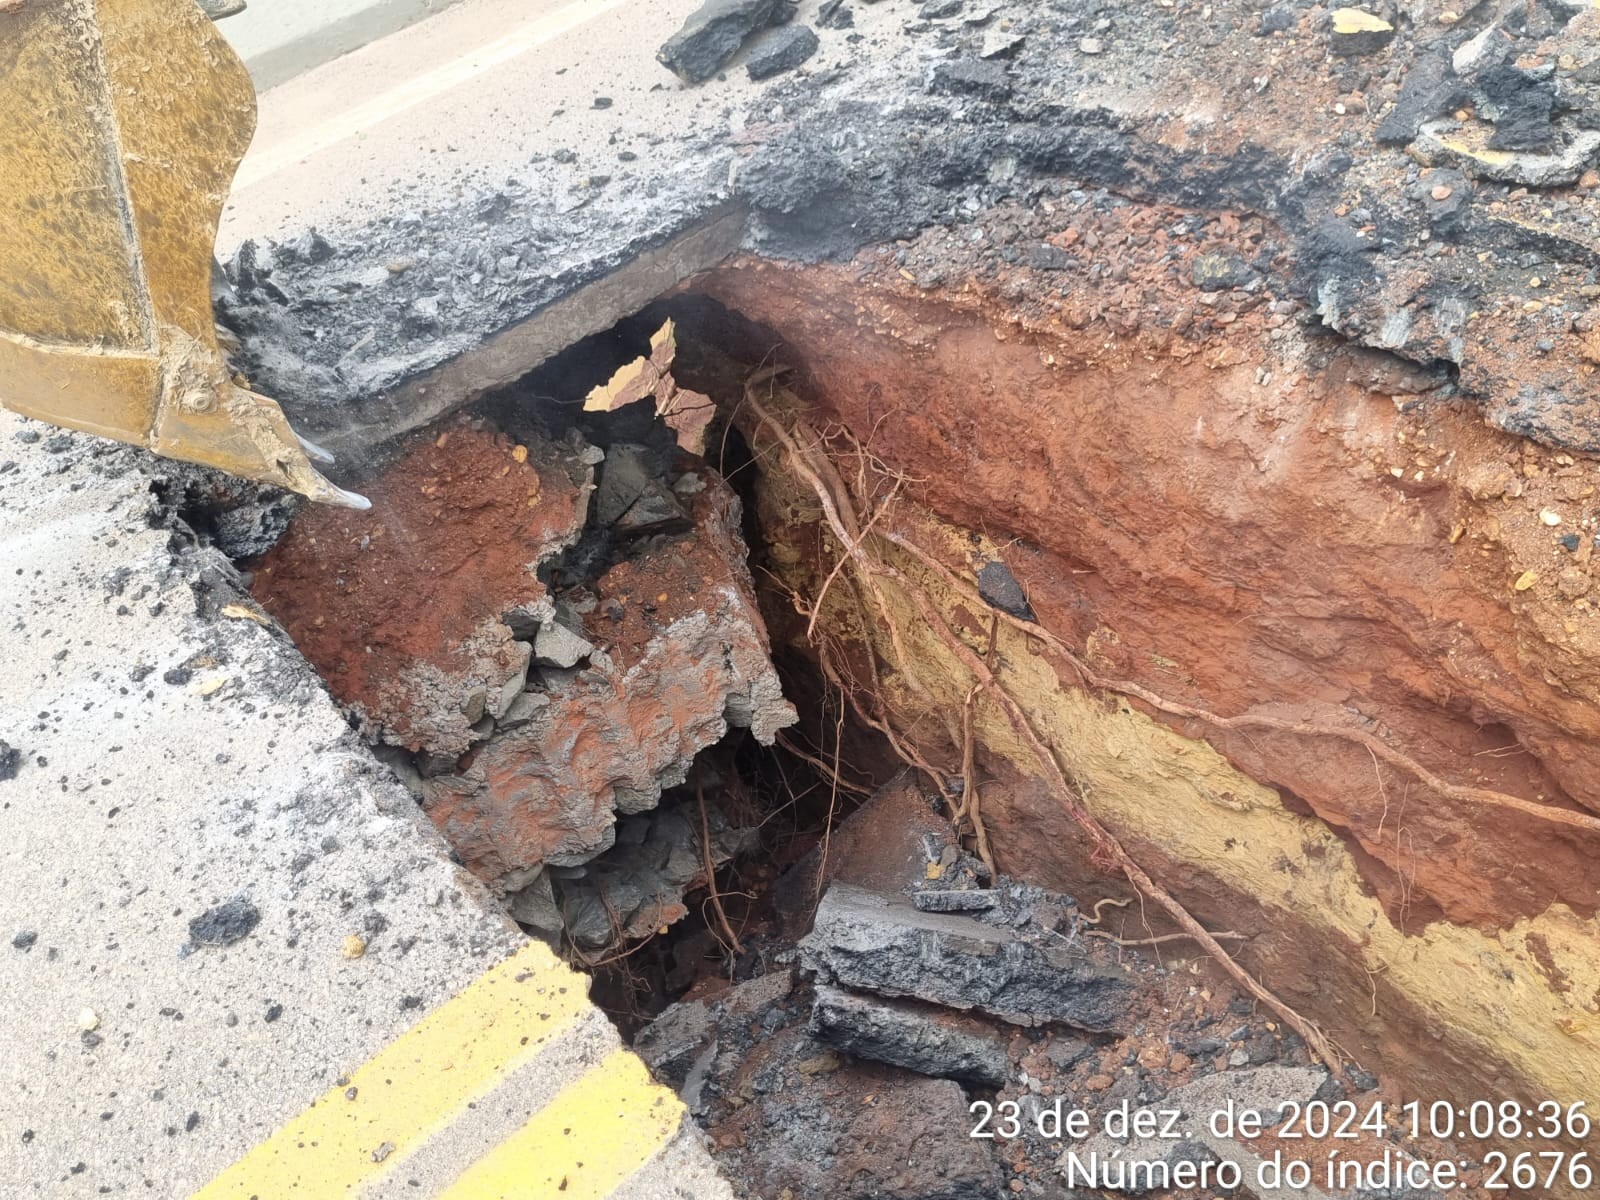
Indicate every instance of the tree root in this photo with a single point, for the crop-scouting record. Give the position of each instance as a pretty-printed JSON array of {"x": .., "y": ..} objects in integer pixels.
[
  {"x": 1376, "y": 746},
  {"x": 711, "y": 869},
  {"x": 872, "y": 571},
  {"x": 1107, "y": 935}
]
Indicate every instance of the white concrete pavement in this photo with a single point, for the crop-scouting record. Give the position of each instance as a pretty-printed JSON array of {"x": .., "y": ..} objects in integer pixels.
[
  {"x": 228, "y": 933},
  {"x": 279, "y": 39},
  {"x": 218, "y": 909}
]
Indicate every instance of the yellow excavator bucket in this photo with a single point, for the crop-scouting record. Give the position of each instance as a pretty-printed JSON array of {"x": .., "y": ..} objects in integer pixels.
[{"x": 121, "y": 125}]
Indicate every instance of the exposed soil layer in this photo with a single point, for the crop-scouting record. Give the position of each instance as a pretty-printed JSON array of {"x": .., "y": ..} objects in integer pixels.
[
  {"x": 1236, "y": 524},
  {"x": 685, "y": 658},
  {"x": 552, "y": 664},
  {"x": 459, "y": 521},
  {"x": 1301, "y": 550}
]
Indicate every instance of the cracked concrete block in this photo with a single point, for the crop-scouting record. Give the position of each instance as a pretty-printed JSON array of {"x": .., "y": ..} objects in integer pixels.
[
  {"x": 515, "y": 681},
  {"x": 871, "y": 943},
  {"x": 712, "y": 35},
  {"x": 912, "y": 1036},
  {"x": 557, "y": 646}
]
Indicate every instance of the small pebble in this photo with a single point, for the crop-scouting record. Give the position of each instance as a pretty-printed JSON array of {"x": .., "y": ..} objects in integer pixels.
[
  {"x": 1091, "y": 45},
  {"x": 88, "y": 1020},
  {"x": 1550, "y": 516},
  {"x": 354, "y": 947},
  {"x": 1442, "y": 191}
]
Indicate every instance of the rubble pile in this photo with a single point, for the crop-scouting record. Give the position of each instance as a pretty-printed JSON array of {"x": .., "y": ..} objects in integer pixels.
[
  {"x": 548, "y": 634},
  {"x": 861, "y": 1062}
]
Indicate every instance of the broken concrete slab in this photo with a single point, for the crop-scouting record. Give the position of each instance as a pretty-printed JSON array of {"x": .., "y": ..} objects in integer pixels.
[
  {"x": 920, "y": 1038},
  {"x": 712, "y": 35},
  {"x": 781, "y": 50},
  {"x": 871, "y": 943},
  {"x": 535, "y": 243}
]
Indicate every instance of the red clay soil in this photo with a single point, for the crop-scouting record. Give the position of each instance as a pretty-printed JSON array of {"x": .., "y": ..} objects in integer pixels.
[
  {"x": 682, "y": 654},
  {"x": 1257, "y": 537},
  {"x": 457, "y": 524},
  {"x": 1237, "y": 522}
]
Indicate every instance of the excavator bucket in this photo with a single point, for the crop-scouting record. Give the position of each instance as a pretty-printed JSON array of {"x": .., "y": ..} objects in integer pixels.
[{"x": 121, "y": 125}]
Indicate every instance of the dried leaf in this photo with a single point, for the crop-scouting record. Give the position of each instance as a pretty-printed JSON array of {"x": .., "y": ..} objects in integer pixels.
[
  {"x": 689, "y": 417},
  {"x": 687, "y": 413},
  {"x": 639, "y": 379},
  {"x": 243, "y": 612}
]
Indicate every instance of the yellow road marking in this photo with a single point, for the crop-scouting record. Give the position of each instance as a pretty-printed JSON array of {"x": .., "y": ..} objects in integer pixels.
[
  {"x": 414, "y": 1087},
  {"x": 598, "y": 1131}
]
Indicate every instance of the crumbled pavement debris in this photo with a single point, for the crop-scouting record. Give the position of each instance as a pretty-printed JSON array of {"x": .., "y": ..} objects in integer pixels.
[
  {"x": 1354, "y": 31},
  {"x": 1216, "y": 272},
  {"x": 806, "y": 1085},
  {"x": 10, "y": 761},
  {"x": 998, "y": 587},
  {"x": 781, "y": 50},
  {"x": 872, "y": 943},
  {"x": 24, "y": 939},
  {"x": 835, "y": 14},
  {"x": 1430, "y": 90},
  {"x": 920, "y": 1038},
  {"x": 713, "y": 34},
  {"x": 986, "y": 79},
  {"x": 1523, "y": 105},
  {"x": 225, "y": 924}
]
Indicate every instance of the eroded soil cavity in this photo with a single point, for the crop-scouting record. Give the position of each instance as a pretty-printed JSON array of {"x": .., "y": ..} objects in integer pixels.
[
  {"x": 1299, "y": 629},
  {"x": 1000, "y": 691}
]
